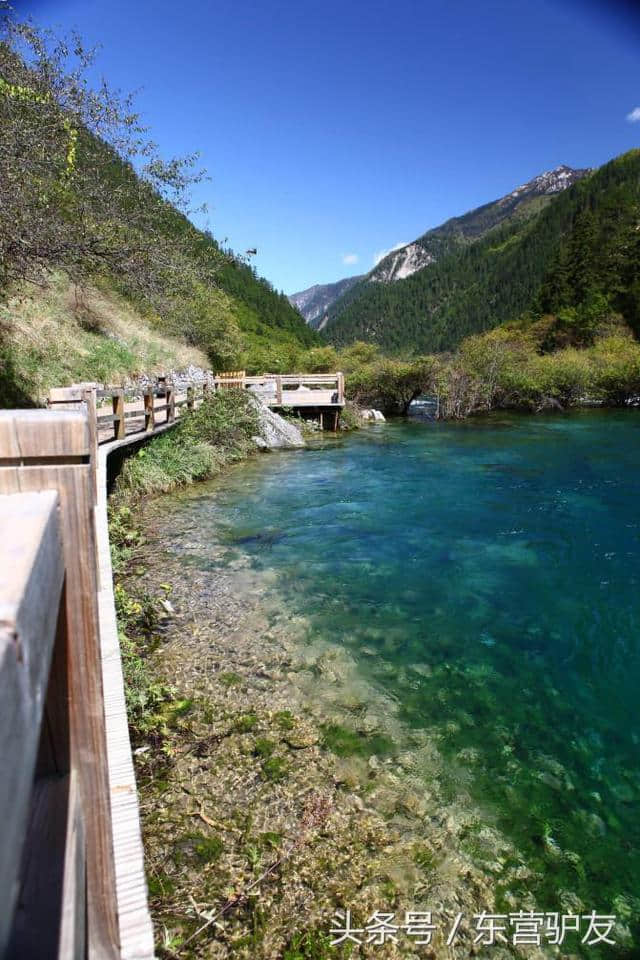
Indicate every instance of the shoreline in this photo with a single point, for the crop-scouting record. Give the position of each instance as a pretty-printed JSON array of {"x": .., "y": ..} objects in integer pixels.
[{"x": 247, "y": 751}]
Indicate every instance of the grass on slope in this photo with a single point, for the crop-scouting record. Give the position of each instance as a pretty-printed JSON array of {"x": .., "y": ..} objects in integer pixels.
[{"x": 55, "y": 336}]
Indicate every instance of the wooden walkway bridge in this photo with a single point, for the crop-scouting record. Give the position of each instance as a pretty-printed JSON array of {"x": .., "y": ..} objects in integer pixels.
[{"x": 72, "y": 882}]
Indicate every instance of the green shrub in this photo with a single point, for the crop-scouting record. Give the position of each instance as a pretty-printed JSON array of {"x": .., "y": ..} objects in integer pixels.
[{"x": 219, "y": 431}]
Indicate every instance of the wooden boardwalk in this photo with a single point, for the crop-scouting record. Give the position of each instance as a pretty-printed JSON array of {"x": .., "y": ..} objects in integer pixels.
[{"x": 72, "y": 877}]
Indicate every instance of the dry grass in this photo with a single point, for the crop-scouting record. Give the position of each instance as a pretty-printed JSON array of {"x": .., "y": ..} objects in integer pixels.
[{"x": 58, "y": 335}]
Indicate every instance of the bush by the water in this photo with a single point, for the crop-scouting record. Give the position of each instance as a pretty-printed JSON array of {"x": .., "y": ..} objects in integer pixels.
[{"x": 217, "y": 433}]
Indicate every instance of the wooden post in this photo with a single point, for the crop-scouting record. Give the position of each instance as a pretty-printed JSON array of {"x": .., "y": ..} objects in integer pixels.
[
  {"x": 171, "y": 402},
  {"x": 149, "y": 412},
  {"x": 119, "y": 425},
  {"x": 190, "y": 398},
  {"x": 279, "y": 390},
  {"x": 341, "y": 388},
  {"x": 89, "y": 397},
  {"x": 43, "y": 450}
]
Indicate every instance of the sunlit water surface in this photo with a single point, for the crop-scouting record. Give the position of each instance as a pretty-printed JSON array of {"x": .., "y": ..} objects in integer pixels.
[{"x": 498, "y": 559}]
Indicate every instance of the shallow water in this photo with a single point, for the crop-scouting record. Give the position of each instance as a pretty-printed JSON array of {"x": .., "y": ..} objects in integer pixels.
[{"x": 485, "y": 577}]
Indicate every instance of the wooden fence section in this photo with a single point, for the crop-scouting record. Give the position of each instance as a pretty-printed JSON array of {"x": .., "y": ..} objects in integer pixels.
[
  {"x": 67, "y": 850},
  {"x": 296, "y": 390},
  {"x": 157, "y": 407},
  {"x": 160, "y": 406}
]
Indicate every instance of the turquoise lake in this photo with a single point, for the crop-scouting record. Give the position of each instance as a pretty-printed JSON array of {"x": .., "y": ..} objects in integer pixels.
[{"x": 503, "y": 555}]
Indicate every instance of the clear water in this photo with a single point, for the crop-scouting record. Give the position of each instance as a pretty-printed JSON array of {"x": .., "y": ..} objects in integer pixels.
[{"x": 502, "y": 555}]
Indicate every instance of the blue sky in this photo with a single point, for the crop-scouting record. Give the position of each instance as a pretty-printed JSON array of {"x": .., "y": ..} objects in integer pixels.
[{"x": 333, "y": 131}]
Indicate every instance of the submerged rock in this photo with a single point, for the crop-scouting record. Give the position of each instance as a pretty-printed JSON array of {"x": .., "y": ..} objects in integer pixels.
[{"x": 276, "y": 433}]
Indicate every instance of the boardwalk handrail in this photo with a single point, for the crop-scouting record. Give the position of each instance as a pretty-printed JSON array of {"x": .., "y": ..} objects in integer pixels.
[
  {"x": 38, "y": 782},
  {"x": 146, "y": 414},
  {"x": 71, "y": 858},
  {"x": 70, "y": 835}
]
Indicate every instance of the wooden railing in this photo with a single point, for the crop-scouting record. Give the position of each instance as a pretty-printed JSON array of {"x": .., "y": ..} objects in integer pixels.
[
  {"x": 56, "y": 856},
  {"x": 159, "y": 407},
  {"x": 293, "y": 389},
  {"x": 155, "y": 407},
  {"x": 71, "y": 861}
]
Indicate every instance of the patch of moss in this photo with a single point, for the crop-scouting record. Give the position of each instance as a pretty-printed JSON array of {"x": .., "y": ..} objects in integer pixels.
[
  {"x": 246, "y": 723},
  {"x": 263, "y": 748},
  {"x": 275, "y": 769},
  {"x": 285, "y": 719},
  {"x": 229, "y": 679},
  {"x": 178, "y": 709},
  {"x": 424, "y": 858},
  {"x": 270, "y": 840},
  {"x": 350, "y": 743},
  {"x": 160, "y": 886},
  {"x": 199, "y": 846},
  {"x": 208, "y": 849}
]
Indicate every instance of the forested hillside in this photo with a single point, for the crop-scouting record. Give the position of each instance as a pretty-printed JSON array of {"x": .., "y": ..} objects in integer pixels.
[
  {"x": 84, "y": 195},
  {"x": 582, "y": 244}
]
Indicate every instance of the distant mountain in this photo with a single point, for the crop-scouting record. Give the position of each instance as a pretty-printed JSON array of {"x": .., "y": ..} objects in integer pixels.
[
  {"x": 524, "y": 201},
  {"x": 314, "y": 303},
  {"x": 464, "y": 276}
]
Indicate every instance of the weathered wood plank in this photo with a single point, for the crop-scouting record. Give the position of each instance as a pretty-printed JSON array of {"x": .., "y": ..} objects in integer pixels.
[{"x": 31, "y": 573}]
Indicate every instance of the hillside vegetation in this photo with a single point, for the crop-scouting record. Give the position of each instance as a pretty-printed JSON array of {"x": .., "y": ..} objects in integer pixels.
[
  {"x": 85, "y": 195},
  {"x": 582, "y": 244}
]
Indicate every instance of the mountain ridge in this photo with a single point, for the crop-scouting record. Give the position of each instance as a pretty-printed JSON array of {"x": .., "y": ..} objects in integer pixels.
[
  {"x": 314, "y": 302},
  {"x": 496, "y": 271}
]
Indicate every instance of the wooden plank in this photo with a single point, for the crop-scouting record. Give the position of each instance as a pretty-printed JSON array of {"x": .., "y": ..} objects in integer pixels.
[
  {"x": 87, "y": 729},
  {"x": 49, "y": 923},
  {"x": 35, "y": 434},
  {"x": 73, "y": 932},
  {"x": 136, "y": 932},
  {"x": 31, "y": 573}
]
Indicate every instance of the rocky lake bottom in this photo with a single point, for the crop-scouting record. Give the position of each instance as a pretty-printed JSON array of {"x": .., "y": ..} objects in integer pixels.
[{"x": 408, "y": 667}]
